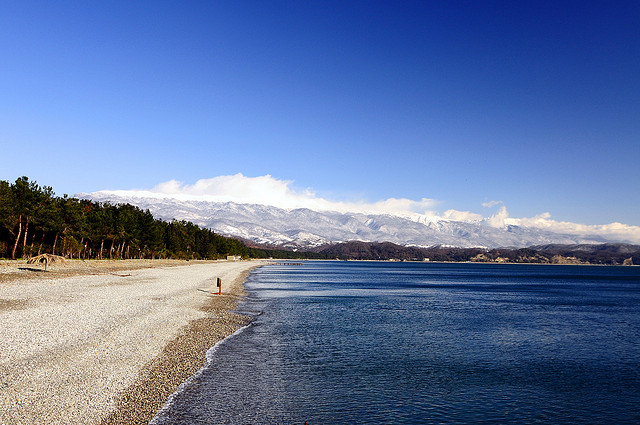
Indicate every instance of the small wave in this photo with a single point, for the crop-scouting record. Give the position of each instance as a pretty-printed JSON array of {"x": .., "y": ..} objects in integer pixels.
[{"x": 159, "y": 419}]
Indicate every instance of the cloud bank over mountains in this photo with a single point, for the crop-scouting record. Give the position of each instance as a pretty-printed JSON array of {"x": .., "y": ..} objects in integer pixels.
[
  {"x": 267, "y": 190},
  {"x": 270, "y": 191}
]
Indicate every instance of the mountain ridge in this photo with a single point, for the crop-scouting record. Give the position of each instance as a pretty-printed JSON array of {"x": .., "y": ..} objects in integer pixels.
[{"x": 303, "y": 228}]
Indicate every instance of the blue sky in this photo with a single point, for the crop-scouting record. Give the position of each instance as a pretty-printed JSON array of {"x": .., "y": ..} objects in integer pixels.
[{"x": 536, "y": 105}]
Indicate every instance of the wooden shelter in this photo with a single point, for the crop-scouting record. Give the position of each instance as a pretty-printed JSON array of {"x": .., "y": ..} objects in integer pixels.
[{"x": 46, "y": 259}]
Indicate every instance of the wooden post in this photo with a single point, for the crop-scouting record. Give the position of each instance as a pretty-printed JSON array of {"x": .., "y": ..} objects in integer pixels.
[{"x": 219, "y": 286}]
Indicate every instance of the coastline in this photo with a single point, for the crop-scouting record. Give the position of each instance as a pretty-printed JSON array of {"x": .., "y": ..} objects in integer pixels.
[
  {"x": 179, "y": 360},
  {"x": 109, "y": 346}
]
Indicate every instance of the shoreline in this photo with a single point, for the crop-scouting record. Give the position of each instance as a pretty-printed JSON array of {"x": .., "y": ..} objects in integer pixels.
[
  {"x": 193, "y": 379},
  {"x": 183, "y": 357},
  {"x": 108, "y": 343}
]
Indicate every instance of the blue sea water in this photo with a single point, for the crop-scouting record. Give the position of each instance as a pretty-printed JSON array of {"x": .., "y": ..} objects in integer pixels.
[{"x": 426, "y": 343}]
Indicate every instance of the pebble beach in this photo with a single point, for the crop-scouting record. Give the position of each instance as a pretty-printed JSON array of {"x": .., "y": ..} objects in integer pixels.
[{"x": 107, "y": 342}]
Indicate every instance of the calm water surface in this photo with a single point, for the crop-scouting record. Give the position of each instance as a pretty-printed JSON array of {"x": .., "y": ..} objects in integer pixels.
[{"x": 421, "y": 343}]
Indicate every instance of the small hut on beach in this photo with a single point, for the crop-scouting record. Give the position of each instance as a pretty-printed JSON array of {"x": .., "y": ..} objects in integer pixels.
[{"x": 46, "y": 259}]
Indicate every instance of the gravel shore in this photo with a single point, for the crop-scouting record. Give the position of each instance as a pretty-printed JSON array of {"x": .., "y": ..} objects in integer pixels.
[{"x": 107, "y": 342}]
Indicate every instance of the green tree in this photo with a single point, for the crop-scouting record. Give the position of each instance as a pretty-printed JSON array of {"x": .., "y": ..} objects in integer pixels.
[
  {"x": 27, "y": 201},
  {"x": 29, "y": 212}
]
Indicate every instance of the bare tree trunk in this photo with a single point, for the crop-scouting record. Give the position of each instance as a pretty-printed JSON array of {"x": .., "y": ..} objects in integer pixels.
[
  {"x": 15, "y": 245},
  {"x": 55, "y": 241},
  {"x": 24, "y": 241},
  {"x": 111, "y": 250},
  {"x": 101, "y": 246},
  {"x": 41, "y": 242}
]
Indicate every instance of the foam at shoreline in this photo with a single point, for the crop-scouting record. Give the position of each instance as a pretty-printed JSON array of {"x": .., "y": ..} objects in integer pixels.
[{"x": 209, "y": 355}]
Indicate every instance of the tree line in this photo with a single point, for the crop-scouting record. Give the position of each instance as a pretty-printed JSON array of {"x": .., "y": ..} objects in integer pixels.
[{"x": 34, "y": 221}]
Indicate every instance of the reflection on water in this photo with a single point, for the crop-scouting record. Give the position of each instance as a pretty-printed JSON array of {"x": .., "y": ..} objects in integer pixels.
[{"x": 412, "y": 343}]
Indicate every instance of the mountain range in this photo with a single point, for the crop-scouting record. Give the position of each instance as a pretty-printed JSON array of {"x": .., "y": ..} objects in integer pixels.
[{"x": 307, "y": 229}]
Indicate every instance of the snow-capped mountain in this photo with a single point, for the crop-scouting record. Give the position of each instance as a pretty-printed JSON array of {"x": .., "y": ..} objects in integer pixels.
[{"x": 305, "y": 228}]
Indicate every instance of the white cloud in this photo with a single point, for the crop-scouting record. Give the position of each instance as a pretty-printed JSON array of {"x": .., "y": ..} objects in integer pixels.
[
  {"x": 267, "y": 190},
  {"x": 611, "y": 231},
  {"x": 490, "y": 204},
  {"x": 500, "y": 219},
  {"x": 467, "y": 216}
]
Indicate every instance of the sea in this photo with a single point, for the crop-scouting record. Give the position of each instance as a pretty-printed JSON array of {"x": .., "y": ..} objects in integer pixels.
[{"x": 337, "y": 342}]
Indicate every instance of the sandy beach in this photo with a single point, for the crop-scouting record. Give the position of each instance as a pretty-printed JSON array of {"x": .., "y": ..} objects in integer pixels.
[{"x": 106, "y": 342}]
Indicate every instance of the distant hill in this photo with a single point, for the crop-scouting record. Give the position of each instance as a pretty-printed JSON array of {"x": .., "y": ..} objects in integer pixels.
[
  {"x": 609, "y": 254},
  {"x": 606, "y": 248},
  {"x": 356, "y": 250}
]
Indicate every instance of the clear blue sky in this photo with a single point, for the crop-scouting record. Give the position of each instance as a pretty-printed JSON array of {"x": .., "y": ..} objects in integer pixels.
[{"x": 536, "y": 104}]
